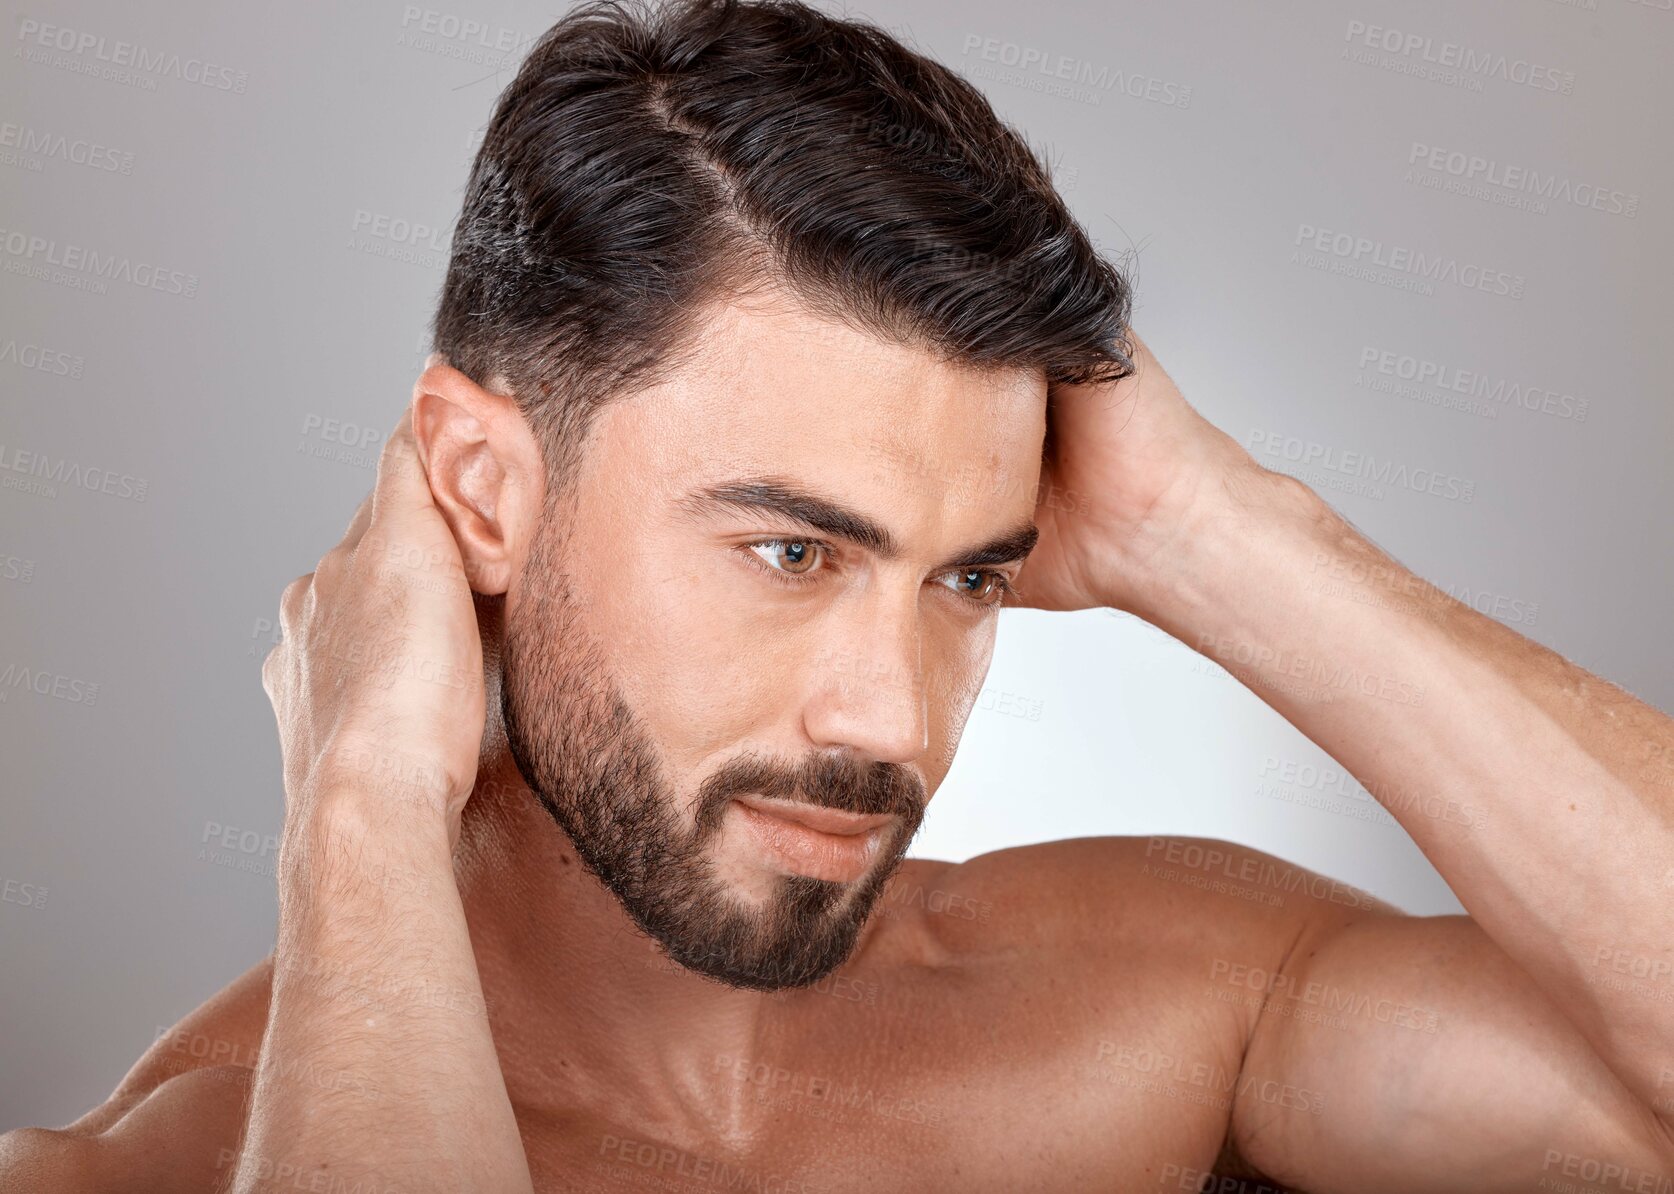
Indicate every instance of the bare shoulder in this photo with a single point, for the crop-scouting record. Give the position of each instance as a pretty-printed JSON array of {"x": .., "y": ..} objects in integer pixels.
[
  {"x": 1071, "y": 880},
  {"x": 1202, "y": 903},
  {"x": 189, "y": 1089},
  {"x": 1141, "y": 961}
]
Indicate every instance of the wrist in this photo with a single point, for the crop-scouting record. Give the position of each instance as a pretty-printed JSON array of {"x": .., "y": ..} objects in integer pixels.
[
  {"x": 1212, "y": 552},
  {"x": 346, "y": 834}
]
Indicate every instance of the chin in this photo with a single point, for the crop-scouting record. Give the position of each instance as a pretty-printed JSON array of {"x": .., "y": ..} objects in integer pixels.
[{"x": 801, "y": 934}]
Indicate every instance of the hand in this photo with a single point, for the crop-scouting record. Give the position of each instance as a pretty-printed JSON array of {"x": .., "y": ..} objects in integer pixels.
[
  {"x": 1128, "y": 466},
  {"x": 377, "y": 684}
]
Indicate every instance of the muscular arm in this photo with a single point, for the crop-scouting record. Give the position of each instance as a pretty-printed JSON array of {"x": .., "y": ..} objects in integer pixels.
[
  {"x": 378, "y": 1064},
  {"x": 1441, "y": 1067},
  {"x": 377, "y": 1069},
  {"x": 1534, "y": 788}
]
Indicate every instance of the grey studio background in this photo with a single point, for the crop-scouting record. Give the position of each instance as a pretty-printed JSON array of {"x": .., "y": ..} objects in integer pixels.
[{"x": 1441, "y": 290}]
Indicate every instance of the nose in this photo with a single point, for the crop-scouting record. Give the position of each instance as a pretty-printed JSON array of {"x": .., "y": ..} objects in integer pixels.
[{"x": 867, "y": 690}]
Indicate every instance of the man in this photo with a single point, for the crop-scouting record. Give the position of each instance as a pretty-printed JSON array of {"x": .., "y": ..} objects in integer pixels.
[{"x": 768, "y": 369}]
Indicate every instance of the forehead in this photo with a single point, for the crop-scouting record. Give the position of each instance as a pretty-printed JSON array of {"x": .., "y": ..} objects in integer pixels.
[{"x": 775, "y": 386}]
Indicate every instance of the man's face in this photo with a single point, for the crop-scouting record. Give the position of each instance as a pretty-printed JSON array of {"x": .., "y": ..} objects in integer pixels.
[{"x": 738, "y": 671}]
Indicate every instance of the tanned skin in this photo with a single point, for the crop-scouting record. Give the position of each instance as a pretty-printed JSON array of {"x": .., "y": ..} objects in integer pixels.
[{"x": 460, "y": 1005}]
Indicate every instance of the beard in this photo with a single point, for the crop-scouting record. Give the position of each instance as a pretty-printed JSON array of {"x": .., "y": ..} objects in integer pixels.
[{"x": 590, "y": 762}]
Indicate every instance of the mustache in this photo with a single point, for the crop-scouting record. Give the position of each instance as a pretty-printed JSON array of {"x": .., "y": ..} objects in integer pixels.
[{"x": 835, "y": 780}]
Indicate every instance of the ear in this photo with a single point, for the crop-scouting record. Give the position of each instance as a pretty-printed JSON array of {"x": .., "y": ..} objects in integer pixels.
[{"x": 486, "y": 471}]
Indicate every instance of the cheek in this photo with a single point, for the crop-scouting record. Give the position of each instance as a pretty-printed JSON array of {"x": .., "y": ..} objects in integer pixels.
[
  {"x": 954, "y": 672},
  {"x": 700, "y": 671}
]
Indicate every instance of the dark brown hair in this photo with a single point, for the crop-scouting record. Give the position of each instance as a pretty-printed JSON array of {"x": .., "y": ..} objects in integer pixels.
[{"x": 649, "y": 158}]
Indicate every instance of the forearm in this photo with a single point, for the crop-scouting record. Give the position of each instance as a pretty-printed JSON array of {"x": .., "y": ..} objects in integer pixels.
[
  {"x": 1540, "y": 792},
  {"x": 378, "y": 1065}
]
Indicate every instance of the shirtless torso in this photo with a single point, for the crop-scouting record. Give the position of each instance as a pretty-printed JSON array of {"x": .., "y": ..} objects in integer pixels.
[
  {"x": 1094, "y": 1014},
  {"x": 1097, "y": 1014}
]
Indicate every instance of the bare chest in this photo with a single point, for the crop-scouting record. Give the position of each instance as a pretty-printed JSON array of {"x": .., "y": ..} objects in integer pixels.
[{"x": 1001, "y": 1087}]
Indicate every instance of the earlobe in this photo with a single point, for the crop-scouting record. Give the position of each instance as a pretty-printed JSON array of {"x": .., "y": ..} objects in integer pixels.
[{"x": 480, "y": 457}]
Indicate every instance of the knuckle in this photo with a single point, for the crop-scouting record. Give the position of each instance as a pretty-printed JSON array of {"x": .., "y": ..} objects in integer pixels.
[
  {"x": 270, "y": 669},
  {"x": 333, "y": 563},
  {"x": 290, "y": 601}
]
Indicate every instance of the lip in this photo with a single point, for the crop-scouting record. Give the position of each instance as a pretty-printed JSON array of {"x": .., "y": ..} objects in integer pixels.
[
  {"x": 822, "y": 820},
  {"x": 819, "y": 843}
]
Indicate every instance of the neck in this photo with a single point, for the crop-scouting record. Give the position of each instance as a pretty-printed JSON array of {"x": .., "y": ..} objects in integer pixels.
[
  {"x": 588, "y": 1014},
  {"x": 586, "y": 1010}
]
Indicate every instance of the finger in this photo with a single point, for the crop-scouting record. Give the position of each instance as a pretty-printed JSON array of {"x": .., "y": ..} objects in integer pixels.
[
  {"x": 293, "y": 602},
  {"x": 272, "y": 668},
  {"x": 333, "y": 563},
  {"x": 407, "y": 529},
  {"x": 357, "y": 524},
  {"x": 403, "y": 488}
]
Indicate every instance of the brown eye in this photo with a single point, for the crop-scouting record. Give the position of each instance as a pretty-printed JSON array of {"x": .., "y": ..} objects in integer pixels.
[
  {"x": 979, "y": 584},
  {"x": 794, "y": 556}
]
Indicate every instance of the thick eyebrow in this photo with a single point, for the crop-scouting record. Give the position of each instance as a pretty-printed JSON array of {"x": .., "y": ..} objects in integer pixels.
[{"x": 831, "y": 517}]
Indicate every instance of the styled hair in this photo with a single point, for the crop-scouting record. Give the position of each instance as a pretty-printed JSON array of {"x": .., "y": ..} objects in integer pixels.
[{"x": 648, "y": 158}]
